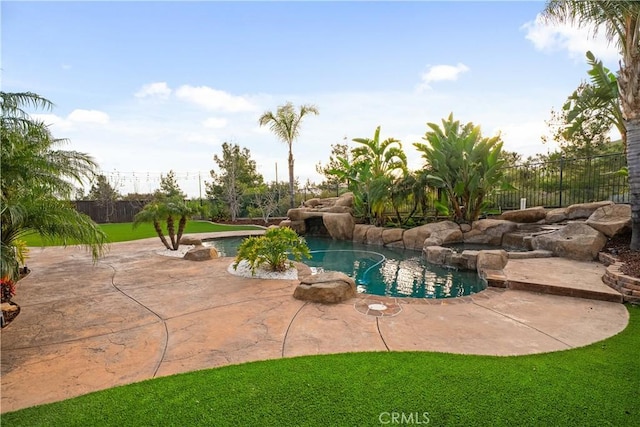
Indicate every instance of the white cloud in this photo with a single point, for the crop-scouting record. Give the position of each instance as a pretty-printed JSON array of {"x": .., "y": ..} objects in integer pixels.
[
  {"x": 88, "y": 116},
  {"x": 548, "y": 37},
  {"x": 213, "y": 99},
  {"x": 157, "y": 89},
  {"x": 215, "y": 123},
  {"x": 53, "y": 121},
  {"x": 437, "y": 73}
]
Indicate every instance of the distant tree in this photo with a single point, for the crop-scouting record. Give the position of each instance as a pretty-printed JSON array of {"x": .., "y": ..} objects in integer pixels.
[
  {"x": 339, "y": 154},
  {"x": 237, "y": 173},
  {"x": 104, "y": 195},
  {"x": 285, "y": 124},
  {"x": 265, "y": 200},
  {"x": 169, "y": 187}
]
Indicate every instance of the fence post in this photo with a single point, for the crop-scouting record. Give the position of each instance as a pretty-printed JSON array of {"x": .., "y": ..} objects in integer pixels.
[{"x": 561, "y": 168}]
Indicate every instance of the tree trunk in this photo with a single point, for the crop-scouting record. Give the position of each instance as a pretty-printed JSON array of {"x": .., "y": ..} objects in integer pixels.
[
  {"x": 181, "y": 225},
  {"x": 291, "y": 195},
  {"x": 171, "y": 230},
  {"x": 156, "y": 226},
  {"x": 633, "y": 163}
]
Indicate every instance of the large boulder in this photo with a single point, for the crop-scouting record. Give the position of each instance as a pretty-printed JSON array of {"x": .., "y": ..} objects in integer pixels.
[
  {"x": 489, "y": 231},
  {"x": 339, "y": 225},
  {"x": 391, "y": 236},
  {"x": 201, "y": 253},
  {"x": 525, "y": 215},
  {"x": 574, "y": 241},
  {"x": 611, "y": 219},
  {"x": 297, "y": 226},
  {"x": 360, "y": 232},
  {"x": 345, "y": 200},
  {"x": 447, "y": 231},
  {"x": 491, "y": 260},
  {"x": 556, "y": 215},
  {"x": 329, "y": 287},
  {"x": 336, "y": 209},
  {"x": 437, "y": 255},
  {"x": 584, "y": 210},
  {"x": 374, "y": 236},
  {"x": 189, "y": 240}
]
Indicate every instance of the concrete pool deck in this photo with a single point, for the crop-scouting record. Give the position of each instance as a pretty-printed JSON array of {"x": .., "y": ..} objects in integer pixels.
[{"x": 137, "y": 315}]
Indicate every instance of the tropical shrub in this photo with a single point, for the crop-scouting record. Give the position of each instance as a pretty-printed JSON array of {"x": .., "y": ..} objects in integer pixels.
[
  {"x": 37, "y": 182},
  {"x": 272, "y": 249},
  {"x": 464, "y": 164}
]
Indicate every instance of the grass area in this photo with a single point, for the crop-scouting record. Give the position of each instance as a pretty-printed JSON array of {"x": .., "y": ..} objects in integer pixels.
[
  {"x": 122, "y": 232},
  {"x": 594, "y": 385}
]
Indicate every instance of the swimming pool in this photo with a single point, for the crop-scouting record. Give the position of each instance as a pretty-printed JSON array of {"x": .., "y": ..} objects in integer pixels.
[{"x": 380, "y": 270}]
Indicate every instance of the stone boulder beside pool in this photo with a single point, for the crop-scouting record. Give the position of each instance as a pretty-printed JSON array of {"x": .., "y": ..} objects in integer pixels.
[{"x": 329, "y": 288}]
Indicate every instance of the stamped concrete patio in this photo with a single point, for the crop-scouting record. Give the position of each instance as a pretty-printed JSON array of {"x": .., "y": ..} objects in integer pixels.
[{"x": 137, "y": 315}]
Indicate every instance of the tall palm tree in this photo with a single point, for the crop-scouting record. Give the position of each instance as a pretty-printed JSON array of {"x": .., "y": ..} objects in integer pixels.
[
  {"x": 285, "y": 124},
  {"x": 620, "y": 21},
  {"x": 37, "y": 182}
]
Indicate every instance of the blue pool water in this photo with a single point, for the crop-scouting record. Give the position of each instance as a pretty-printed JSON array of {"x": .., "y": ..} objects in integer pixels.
[{"x": 380, "y": 271}]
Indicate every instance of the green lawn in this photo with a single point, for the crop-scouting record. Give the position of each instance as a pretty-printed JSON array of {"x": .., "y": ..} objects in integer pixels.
[
  {"x": 122, "y": 232},
  {"x": 590, "y": 386}
]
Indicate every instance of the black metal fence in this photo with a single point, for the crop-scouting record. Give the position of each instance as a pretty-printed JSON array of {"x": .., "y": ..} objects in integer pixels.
[{"x": 565, "y": 182}]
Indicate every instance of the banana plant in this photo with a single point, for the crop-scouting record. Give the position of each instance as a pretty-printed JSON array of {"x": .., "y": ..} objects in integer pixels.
[
  {"x": 601, "y": 97},
  {"x": 466, "y": 165}
]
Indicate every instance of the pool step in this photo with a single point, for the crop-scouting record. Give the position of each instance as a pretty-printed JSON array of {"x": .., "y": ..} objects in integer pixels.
[{"x": 559, "y": 276}]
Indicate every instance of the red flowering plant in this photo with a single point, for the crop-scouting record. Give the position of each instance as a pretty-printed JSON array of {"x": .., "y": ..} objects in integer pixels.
[{"x": 7, "y": 289}]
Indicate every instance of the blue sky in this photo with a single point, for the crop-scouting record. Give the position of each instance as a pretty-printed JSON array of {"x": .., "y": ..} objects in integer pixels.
[{"x": 145, "y": 87}]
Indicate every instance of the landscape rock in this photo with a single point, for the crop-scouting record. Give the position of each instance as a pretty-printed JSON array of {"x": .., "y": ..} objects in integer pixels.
[
  {"x": 611, "y": 220},
  {"x": 489, "y": 231},
  {"x": 576, "y": 241},
  {"x": 345, "y": 200},
  {"x": 584, "y": 210},
  {"x": 360, "y": 232},
  {"x": 374, "y": 236},
  {"x": 534, "y": 214},
  {"x": 201, "y": 253},
  {"x": 491, "y": 260},
  {"x": 312, "y": 203},
  {"x": 447, "y": 231},
  {"x": 297, "y": 226},
  {"x": 339, "y": 225},
  {"x": 329, "y": 288},
  {"x": 556, "y": 215},
  {"x": 189, "y": 240},
  {"x": 437, "y": 255},
  {"x": 392, "y": 235}
]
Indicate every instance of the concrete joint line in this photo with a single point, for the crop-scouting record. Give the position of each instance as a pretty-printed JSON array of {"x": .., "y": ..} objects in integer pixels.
[
  {"x": 523, "y": 324},
  {"x": 380, "y": 333},
  {"x": 286, "y": 334},
  {"x": 164, "y": 323}
]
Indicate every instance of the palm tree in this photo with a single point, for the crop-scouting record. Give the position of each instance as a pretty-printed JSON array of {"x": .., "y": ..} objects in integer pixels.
[
  {"x": 167, "y": 209},
  {"x": 285, "y": 124},
  {"x": 385, "y": 162},
  {"x": 37, "y": 182},
  {"x": 620, "y": 21}
]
